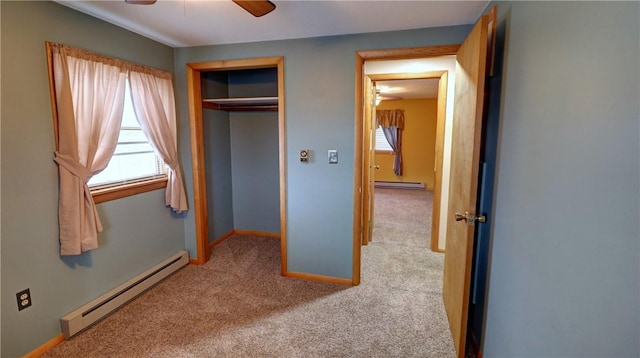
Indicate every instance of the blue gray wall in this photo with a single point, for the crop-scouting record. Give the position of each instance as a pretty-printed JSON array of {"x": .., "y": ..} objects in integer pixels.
[
  {"x": 217, "y": 145},
  {"x": 255, "y": 171},
  {"x": 242, "y": 171},
  {"x": 564, "y": 267},
  {"x": 30, "y": 248},
  {"x": 241, "y": 155},
  {"x": 319, "y": 109}
]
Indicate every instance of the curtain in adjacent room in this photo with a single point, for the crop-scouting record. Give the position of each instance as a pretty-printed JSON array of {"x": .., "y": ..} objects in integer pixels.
[
  {"x": 89, "y": 91},
  {"x": 154, "y": 105},
  {"x": 392, "y": 123}
]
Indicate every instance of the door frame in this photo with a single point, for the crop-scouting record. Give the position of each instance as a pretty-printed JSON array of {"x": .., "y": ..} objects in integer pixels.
[
  {"x": 194, "y": 90},
  {"x": 360, "y": 125},
  {"x": 368, "y": 159}
]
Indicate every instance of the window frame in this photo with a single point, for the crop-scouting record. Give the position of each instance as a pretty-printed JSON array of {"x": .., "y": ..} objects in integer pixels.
[
  {"x": 113, "y": 191},
  {"x": 117, "y": 191}
]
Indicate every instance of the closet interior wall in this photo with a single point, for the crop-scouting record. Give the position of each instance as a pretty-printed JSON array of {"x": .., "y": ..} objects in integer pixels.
[{"x": 241, "y": 154}]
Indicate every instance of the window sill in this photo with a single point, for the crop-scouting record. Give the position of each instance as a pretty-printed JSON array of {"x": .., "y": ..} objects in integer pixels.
[
  {"x": 390, "y": 152},
  {"x": 121, "y": 191}
]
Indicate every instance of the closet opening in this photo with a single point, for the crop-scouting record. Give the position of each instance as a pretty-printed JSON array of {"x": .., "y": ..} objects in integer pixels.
[{"x": 237, "y": 144}]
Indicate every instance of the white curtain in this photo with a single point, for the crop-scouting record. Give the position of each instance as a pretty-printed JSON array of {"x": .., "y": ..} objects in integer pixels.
[
  {"x": 154, "y": 104},
  {"x": 90, "y": 100}
]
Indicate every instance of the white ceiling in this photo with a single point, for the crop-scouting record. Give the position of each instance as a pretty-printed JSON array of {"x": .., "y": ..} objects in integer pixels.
[{"x": 185, "y": 23}]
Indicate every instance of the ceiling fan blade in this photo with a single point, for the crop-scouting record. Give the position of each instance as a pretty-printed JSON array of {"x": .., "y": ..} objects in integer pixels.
[
  {"x": 257, "y": 8},
  {"x": 140, "y": 2}
]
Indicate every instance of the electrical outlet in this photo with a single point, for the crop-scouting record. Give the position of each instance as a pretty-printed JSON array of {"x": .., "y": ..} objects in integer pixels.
[{"x": 24, "y": 299}]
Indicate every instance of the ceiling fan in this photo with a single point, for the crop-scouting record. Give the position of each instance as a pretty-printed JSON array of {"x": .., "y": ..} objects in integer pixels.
[{"x": 256, "y": 8}]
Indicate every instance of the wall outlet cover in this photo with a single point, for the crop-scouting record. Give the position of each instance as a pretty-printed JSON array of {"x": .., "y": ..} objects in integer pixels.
[{"x": 24, "y": 299}]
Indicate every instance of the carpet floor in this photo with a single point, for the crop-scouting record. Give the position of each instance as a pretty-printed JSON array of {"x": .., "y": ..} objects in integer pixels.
[{"x": 238, "y": 305}]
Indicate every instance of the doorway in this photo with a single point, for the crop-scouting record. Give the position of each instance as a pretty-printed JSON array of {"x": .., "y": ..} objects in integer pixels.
[
  {"x": 422, "y": 98},
  {"x": 196, "y": 72},
  {"x": 363, "y": 161},
  {"x": 364, "y": 165}
]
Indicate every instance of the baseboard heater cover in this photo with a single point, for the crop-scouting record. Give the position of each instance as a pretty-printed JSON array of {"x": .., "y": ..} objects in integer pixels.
[
  {"x": 102, "y": 306},
  {"x": 399, "y": 185}
]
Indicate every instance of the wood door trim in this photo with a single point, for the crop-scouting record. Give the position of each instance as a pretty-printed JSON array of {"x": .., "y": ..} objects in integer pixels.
[
  {"x": 282, "y": 135},
  {"x": 197, "y": 146},
  {"x": 367, "y": 194},
  {"x": 436, "y": 212},
  {"x": 406, "y": 76},
  {"x": 408, "y": 52},
  {"x": 198, "y": 166},
  {"x": 358, "y": 185}
]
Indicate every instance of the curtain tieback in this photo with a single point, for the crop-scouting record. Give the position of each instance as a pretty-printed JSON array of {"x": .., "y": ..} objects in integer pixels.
[
  {"x": 173, "y": 165},
  {"x": 73, "y": 166}
]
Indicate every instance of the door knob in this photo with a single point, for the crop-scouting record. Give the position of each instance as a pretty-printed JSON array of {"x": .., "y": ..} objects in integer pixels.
[
  {"x": 376, "y": 167},
  {"x": 470, "y": 218}
]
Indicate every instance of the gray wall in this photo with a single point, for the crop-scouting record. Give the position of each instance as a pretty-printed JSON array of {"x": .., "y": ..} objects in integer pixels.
[
  {"x": 241, "y": 155},
  {"x": 217, "y": 145},
  {"x": 30, "y": 248},
  {"x": 564, "y": 263},
  {"x": 255, "y": 171},
  {"x": 319, "y": 109},
  {"x": 564, "y": 269},
  {"x": 242, "y": 171}
]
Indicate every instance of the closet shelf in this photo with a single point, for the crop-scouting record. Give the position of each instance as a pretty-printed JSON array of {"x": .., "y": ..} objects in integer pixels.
[{"x": 242, "y": 104}]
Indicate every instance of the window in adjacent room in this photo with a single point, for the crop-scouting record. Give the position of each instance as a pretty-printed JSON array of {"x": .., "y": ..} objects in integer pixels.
[{"x": 381, "y": 141}]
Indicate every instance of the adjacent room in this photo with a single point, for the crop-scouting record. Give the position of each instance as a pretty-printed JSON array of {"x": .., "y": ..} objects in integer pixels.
[{"x": 198, "y": 178}]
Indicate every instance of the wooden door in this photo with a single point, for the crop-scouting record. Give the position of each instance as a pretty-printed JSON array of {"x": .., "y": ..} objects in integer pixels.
[
  {"x": 368, "y": 161},
  {"x": 471, "y": 70}
]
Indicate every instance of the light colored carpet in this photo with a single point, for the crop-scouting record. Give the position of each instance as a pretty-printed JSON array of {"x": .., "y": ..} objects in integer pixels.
[{"x": 238, "y": 305}]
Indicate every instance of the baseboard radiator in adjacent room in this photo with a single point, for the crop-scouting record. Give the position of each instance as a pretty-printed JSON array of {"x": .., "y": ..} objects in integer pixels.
[
  {"x": 399, "y": 185},
  {"x": 102, "y": 306}
]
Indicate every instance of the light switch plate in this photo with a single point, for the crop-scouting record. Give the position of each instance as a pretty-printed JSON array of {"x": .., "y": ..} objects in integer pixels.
[{"x": 333, "y": 156}]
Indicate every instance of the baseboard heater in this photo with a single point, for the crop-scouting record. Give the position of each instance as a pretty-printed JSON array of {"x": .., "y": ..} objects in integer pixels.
[
  {"x": 399, "y": 185},
  {"x": 102, "y": 306}
]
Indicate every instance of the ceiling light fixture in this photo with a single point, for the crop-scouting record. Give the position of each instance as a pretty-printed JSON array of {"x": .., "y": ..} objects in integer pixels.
[
  {"x": 255, "y": 7},
  {"x": 140, "y": 2}
]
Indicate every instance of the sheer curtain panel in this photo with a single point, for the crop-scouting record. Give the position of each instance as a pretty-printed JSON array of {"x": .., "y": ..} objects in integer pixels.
[
  {"x": 154, "y": 105},
  {"x": 89, "y": 96}
]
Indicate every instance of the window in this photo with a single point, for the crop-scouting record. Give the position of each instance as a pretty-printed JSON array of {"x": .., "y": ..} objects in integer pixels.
[
  {"x": 134, "y": 159},
  {"x": 90, "y": 123},
  {"x": 381, "y": 143}
]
